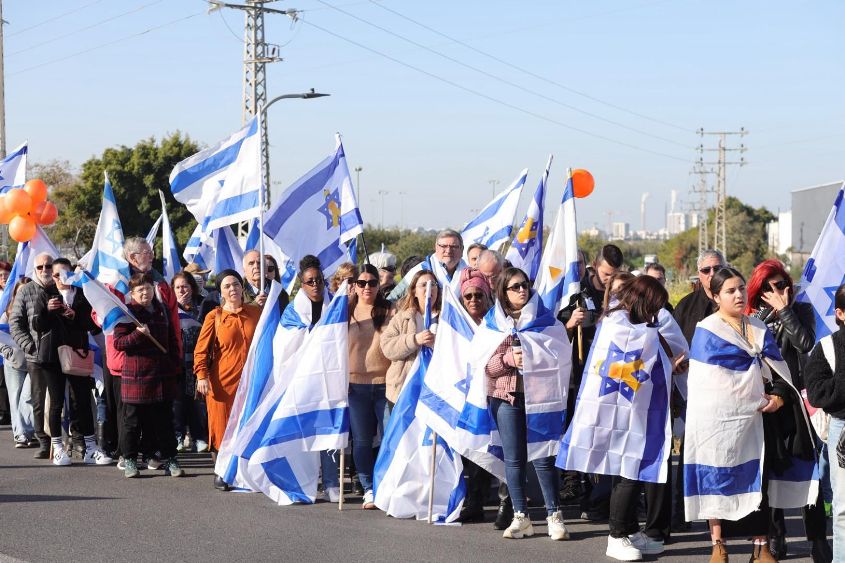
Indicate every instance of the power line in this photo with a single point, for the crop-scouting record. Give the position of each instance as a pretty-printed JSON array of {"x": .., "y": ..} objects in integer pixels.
[
  {"x": 530, "y": 73},
  {"x": 503, "y": 80},
  {"x": 108, "y": 44},
  {"x": 54, "y": 18},
  {"x": 488, "y": 97},
  {"x": 87, "y": 27}
]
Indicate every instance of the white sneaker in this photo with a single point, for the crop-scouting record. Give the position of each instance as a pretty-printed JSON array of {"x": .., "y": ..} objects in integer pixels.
[
  {"x": 202, "y": 446},
  {"x": 60, "y": 456},
  {"x": 646, "y": 545},
  {"x": 333, "y": 493},
  {"x": 557, "y": 530},
  {"x": 96, "y": 456},
  {"x": 121, "y": 463},
  {"x": 622, "y": 549},
  {"x": 520, "y": 527},
  {"x": 369, "y": 501}
]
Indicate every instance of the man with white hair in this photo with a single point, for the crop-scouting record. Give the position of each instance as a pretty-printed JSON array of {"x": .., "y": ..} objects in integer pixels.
[
  {"x": 447, "y": 261},
  {"x": 252, "y": 279},
  {"x": 490, "y": 263}
]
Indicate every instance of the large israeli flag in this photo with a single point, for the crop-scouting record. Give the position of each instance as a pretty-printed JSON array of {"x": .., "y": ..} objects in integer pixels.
[
  {"x": 221, "y": 185},
  {"x": 309, "y": 217},
  {"x": 152, "y": 235},
  {"x": 527, "y": 246},
  {"x": 110, "y": 310},
  {"x": 170, "y": 255},
  {"x": 24, "y": 264},
  {"x": 108, "y": 263},
  {"x": 286, "y": 265},
  {"x": 216, "y": 251},
  {"x": 13, "y": 169},
  {"x": 825, "y": 270},
  {"x": 622, "y": 424},
  {"x": 559, "y": 277},
  {"x": 494, "y": 223},
  {"x": 723, "y": 440}
]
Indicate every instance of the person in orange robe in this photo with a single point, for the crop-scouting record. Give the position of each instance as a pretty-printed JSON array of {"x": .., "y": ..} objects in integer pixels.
[{"x": 220, "y": 355}]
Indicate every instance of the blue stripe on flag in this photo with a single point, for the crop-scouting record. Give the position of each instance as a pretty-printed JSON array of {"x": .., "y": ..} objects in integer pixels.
[
  {"x": 476, "y": 420},
  {"x": 338, "y": 312},
  {"x": 281, "y": 474},
  {"x": 439, "y": 406},
  {"x": 304, "y": 425},
  {"x": 234, "y": 204},
  {"x": 451, "y": 316},
  {"x": 350, "y": 220},
  {"x": 544, "y": 426},
  {"x": 488, "y": 213},
  {"x": 655, "y": 429},
  {"x": 263, "y": 369},
  {"x": 713, "y": 350},
  {"x": 331, "y": 254},
  {"x": 800, "y": 471},
  {"x": 568, "y": 191},
  {"x": 701, "y": 480}
]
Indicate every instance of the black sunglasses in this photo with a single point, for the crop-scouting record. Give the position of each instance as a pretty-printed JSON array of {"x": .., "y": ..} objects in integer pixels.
[
  {"x": 780, "y": 285},
  {"x": 366, "y": 283},
  {"x": 706, "y": 271},
  {"x": 473, "y": 296},
  {"x": 521, "y": 285},
  {"x": 44, "y": 267},
  {"x": 313, "y": 283},
  {"x": 270, "y": 268}
]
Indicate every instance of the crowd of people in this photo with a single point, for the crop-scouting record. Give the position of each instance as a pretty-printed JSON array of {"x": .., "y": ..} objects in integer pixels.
[{"x": 169, "y": 383}]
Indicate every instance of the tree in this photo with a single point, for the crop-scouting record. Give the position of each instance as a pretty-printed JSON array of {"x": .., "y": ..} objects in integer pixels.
[{"x": 136, "y": 175}]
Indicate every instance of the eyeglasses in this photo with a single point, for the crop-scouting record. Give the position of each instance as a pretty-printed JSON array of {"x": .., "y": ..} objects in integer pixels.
[
  {"x": 780, "y": 285},
  {"x": 473, "y": 297},
  {"x": 313, "y": 282},
  {"x": 366, "y": 283},
  {"x": 44, "y": 267},
  {"x": 448, "y": 246},
  {"x": 57, "y": 275},
  {"x": 706, "y": 271},
  {"x": 145, "y": 252},
  {"x": 519, "y": 286}
]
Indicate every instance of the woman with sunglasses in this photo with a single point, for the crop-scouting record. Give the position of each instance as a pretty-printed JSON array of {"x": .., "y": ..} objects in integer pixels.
[
  {"x": 405, "y": 335},
  {"x": 346, "y": 272},
  {"x": 369, "y": 313},
  {"x": 771, "y": 299},
  {"x": 526, "y": 356}
]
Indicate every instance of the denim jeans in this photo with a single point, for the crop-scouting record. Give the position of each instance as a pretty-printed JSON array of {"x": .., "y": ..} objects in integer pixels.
[
  {"x": 837, "y": 482},
  {"x": 20, "y": 400},
  {"x": 510, "y": 420},
  {"x": 367, "y": 404},
  {"x": 824, "y": 473},
  {"x": 329, "y": 460}
]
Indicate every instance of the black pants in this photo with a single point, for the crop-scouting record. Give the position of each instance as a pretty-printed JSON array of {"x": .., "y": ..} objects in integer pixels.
[
  {"x": 112, "y": 425},
  {"x": 815, "y": 522},
  {"x": 48, "y": 378},
  {"x": 624, "y": 499},
  {"x": 478, "y": 485},
  {"x": 155, "y": 421},
  {"x": 5, "y": 409}
]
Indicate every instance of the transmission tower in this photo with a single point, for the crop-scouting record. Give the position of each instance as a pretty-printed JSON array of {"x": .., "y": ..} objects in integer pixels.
[
  {"x": 702, "y": 207},
  {"x": 720, "y": 241}
]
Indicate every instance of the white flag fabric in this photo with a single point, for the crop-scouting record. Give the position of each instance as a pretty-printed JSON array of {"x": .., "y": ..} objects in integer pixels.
[
  {"x": 13, "y": 169},
  {"x": 170, "y": 255},
  {"x": 110, "y": 310},
  {"x": 216, "y": 251},
  {"x": 153, "y": 234},
  {"x": 221, "y": 185},
  {"x": 452, "y": 282},
  {"x": 108, "y": 263},
  {"x": 559, "y": 277},
  {"x": 287, "y": 266},
  {"x": 494, "y": 224},
  {"x": 24, "y": 264},
  {"x": 622, "y": 424},
  {"x": 825, "y": 270},
  {"x": 310, "y": 218},
  {"x": 527, "y": 246},
  {"x": 724, "y": 446}
]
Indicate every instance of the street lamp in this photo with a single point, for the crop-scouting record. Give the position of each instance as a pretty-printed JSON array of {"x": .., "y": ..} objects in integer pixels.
[
  {"x": 382, "y": 193},
  {"x": 358, "y": 181}
]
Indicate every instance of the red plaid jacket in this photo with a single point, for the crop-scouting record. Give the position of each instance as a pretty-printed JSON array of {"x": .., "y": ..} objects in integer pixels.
[{"x": 502, "y": 379}]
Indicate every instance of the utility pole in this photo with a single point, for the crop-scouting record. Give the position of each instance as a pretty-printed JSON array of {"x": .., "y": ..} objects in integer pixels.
[
  {"x": 493, "y": 184},
  {"x": 2, "y": 88},
  {"x": 402, "y": 210},
  {"x": 382, "y": 193},
  {"x": 358, "y": 170},
  {"x": 720, "y": 241},
  {"x": 703, "y": 206}
]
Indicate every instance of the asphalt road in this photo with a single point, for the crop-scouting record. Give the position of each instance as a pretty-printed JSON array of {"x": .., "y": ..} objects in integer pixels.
[{"x": 89, "y": 513}]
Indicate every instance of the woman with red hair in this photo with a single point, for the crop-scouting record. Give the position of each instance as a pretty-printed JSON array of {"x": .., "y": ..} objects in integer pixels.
[{"x": 771, "y": 298}]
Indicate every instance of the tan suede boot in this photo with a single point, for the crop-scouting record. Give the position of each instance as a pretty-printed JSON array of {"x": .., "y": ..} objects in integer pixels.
[
  {"x": 720, "y": 553},
  {"x": 762, "y": 554}
]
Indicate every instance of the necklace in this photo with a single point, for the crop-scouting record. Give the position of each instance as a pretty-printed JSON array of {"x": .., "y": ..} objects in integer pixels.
[{"x": 740, "y": 328}]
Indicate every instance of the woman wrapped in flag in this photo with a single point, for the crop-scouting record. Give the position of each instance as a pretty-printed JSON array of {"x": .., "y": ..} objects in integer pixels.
[{"x": 745, "y": 453}]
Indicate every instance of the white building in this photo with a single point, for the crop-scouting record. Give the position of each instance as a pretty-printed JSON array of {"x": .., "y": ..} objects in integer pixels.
[
  {"x": 620, "y": 231},
  {"x": 780, "y": 233}
]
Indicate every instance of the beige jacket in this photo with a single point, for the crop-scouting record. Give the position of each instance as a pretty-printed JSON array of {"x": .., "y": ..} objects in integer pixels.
[{"x": 399, "y": 346}]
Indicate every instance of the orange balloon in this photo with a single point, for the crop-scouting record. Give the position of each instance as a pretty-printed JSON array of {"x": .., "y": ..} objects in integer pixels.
[
  {"x": 582, "y": 183},
  {"x": 37, "y": 190},
  {"x": 5, "y": 214},
  {"x": 21, "y": 229},
  {"x": 45, "y": 213},
  {"x": 18, "y": 202}
]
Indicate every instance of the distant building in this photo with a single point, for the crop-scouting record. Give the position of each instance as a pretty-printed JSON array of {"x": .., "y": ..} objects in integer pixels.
[
  {"x": 780, "y": 233},
  {"x": 676, "y": 223},
  {"x": 594, "y": 232},
  {"x": 620, "y": 231},
  {"x": 810, "y": 208}
]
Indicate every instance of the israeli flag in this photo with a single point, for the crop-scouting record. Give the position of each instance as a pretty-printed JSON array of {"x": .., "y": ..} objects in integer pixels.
[
  {"x": 825, "y": 270},
  {"x": 153, "y": 234},
  {"x": 622, "y": 424},
  {"x": 215, "y": 251},
  {"x": 108, "y": 263},
  {"x": 402, "y": 287},
  {"x": 24, "y": 264},
  {"x": 13, "y": 169},
  {"x": 310, "y": 217},
  {"x": 494, "y": 224},
  {"x": 527, "y": 246},
  {"x": 559, "y": 277},
  {"x": 110, "y": 310},
  {"x": 286, "y": 265},
  {"x": 170, "y": 255},
  {"x": 222, "y": 184},
  {"x": 723, "y": 440}
]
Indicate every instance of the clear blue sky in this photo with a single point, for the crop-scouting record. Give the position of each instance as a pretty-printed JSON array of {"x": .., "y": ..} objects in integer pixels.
[{"x": 77, "y": 84}]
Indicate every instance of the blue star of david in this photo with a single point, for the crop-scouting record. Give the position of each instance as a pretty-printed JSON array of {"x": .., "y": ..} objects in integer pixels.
[
  {"x": 111, "y": 237},
  {"x": 830, "y": 291},
  {"x": 616, "y": 355},
  {"x": 333, "y": 197},
  {"x": 463, "y": 384}
]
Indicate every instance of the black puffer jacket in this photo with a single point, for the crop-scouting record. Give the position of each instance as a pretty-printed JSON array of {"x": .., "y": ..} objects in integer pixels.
[{"x": 825, "y": 386}]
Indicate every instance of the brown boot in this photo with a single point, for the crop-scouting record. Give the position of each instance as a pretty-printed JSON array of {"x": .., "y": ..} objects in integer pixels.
[
  {"x": 720, "y": 553},
  {"x": 762, "y": 554}
]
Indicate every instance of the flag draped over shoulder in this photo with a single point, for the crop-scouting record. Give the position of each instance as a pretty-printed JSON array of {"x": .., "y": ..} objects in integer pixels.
[
  {"x": 622, "y": 424},
  {"x": 559, "y": 278},
  {"x": 13, "y": 169},
  {"x": 107, "y": 261},
  {"x": 547, "y": 366},
  {"x": 527, "y": 246},
  {"x": 825, "y": 270},
  {"x": 317, "y": 214},
  {"x": 494, "y": 223},
  {"x": 221, "y": 185},
  {"x": 724, "y": 446},
  {"x": 110, "y": 310}
]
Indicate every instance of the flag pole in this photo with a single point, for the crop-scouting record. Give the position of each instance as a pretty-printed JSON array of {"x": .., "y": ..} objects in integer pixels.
[
  {"x": 432, "y": 468},
  {"x": 261, "y": 199},
  {"x": 341, "y": 471},
  {"x": 138, "y": 324}
]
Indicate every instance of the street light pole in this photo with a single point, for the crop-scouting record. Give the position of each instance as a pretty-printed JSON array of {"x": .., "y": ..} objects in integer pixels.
[
  {"x": 402, "y": 209},
  {"x": 382, "y": 193},
  {"x": 358, "y": 183}
]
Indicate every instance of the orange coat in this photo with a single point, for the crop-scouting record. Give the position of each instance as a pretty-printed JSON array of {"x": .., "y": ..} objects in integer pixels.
[{"x": 231, "y": 344}]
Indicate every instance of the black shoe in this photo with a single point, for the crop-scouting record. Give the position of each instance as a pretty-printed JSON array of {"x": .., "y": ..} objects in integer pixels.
[
  {"x": 504, "y": 516},
  {"x": 679, "y": 525},
  {"x": 43, "y": 452},
  {"x": 357, "y": 488},
  {"x": 571, "y": 491},
  {"x": 821, "y": 552},
  {"x": 471, "y": 514},
  {"x": 777, "y": 546},
  {"x": 220, "y": 484}
]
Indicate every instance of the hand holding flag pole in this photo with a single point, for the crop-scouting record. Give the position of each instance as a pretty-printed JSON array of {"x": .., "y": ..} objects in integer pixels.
[
  {"x": 132, "y": 318},
  {"x": 432, "y": 467}
]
